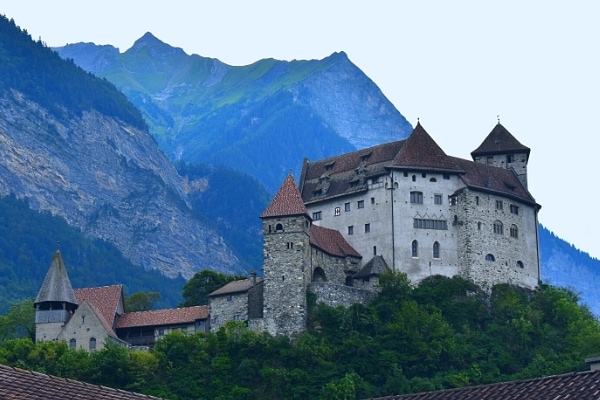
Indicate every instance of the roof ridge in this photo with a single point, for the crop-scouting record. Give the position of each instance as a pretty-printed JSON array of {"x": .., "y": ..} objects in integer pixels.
[{"x": 287, "y": 201}]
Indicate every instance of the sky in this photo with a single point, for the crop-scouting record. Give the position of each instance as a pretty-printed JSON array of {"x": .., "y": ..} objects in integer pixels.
[{"x": 456, "y": 66}]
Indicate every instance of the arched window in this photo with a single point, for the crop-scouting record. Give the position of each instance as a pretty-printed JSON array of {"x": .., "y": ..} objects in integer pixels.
[
  {"x": 436, "y": 250},
  {"x": 415, "y": 248},
  {"x": 92, "y": 344},
  {"x": 319, "y": 275},
  {"x": 520, "y": 264},
  {"x": 498, "y": 228},
  {"x": 490, "y": 257},
  {"x": 72, "y": 344},
  {"x": 279, "y": 228},
  {"x": 514, "y": 231}
]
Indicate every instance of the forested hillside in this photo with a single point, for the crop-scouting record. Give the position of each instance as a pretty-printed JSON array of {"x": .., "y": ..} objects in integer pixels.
[
  {"x": 444, "y": 333},
  {"x": 28, "y": 240}
]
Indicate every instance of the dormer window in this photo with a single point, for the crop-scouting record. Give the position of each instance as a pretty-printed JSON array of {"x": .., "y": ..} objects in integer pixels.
[
  {"x": 365, "y": 157},
  {"x": 329, "y": 167}
]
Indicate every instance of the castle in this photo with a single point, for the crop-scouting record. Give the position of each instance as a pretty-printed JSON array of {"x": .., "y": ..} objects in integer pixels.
[{"x": 404, "y": 206}]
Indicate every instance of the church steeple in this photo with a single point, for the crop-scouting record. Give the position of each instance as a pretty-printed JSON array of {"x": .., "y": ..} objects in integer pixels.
[{"x": 55, "y": 301}]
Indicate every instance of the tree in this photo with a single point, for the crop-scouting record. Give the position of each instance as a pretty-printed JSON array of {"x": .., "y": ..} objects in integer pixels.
[
  {"x": 141, "y": 301},
  {"x": 19, "y": 322},
  {"x": 196, "y": 291}
]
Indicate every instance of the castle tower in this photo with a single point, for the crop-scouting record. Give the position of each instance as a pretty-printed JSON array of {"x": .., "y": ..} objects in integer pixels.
[
  {"x": 55, "y": 302},
  {"x": 286, "y": 233},
  {"x": 501, "y": 149}
]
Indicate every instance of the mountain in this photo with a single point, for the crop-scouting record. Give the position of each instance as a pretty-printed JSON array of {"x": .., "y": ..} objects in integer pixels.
[
  {"x": 563, "y": 265},
  {"x": 73, "y": 146},
  {"x": 263, "y": 118}
]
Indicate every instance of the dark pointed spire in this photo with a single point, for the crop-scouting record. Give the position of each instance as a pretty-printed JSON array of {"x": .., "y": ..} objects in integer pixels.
[
  {"x": 420, "y": 151},
  {"x": 499, "y": 141},
  {"x": 57, "y": 286},
  {"x": 287, "y": 201}
]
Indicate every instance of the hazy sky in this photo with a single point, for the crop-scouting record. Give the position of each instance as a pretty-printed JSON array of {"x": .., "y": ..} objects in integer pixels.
[{"x": 456, "y": 65}]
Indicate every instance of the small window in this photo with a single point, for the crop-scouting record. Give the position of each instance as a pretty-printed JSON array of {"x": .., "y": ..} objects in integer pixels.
[
  {"x": 423, "y": 175},
  {"x": 416, "y": 197},
  {"x": 510, "y": 158},
  {"x": 290, "y": 245},
  {"x": 414, "y": 178},
  {"x": 367, "y": 228},
  {"x": 499, "y": 205},
  {"x": 372, "y": 200},
  {"x": 514, "y": 209},
  {"x": 230, "y": 297},
  {"x": 374, "y": 250},
  {"x": 351, "y": 230},
  {"x": 316, "y": 215},
  {"x": 336, "y": 212},
  {"x": 161, "y": 332},
  {"x": 514, "y": 231},
  {"x": 432, "y": 180},
  {"x": 278, "y": 228},
  {"x": 92, "y": 344},
  {"x": 437, "y": 199},
  {"x": 490, "y": 160},
  {"x": 446, "y": 176},
  {"x": 415, "y": 249},
  {"x": 347, "y": 207},
  {"x": 405, "y": 174},
  {"x": 479, "y": 226},
  {"x": 73, "y": 344},
  {"x": 436, "y": 250},
  {"x": 498, "y": 228},
  {"x": 454, "y": 201},
  {"x": 360, "y": 204},
  {"x": 520, "y": 264},
  {"x": 490, "y": 257},
  {"x": 477, "y": 200}
]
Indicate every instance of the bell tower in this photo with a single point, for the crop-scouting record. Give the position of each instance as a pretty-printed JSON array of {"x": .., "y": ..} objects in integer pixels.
[
  {"x": 286, "y": 249},
  {"x": 55, "y": 302}
]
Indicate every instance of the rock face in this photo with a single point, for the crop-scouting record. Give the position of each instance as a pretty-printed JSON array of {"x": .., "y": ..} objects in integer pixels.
[
  {"x": 262, "y": 118},
  {"x": 110, "y": 180}
]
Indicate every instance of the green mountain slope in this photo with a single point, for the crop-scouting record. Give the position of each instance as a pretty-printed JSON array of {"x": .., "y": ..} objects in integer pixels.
[{"x": 262, "y": 119}]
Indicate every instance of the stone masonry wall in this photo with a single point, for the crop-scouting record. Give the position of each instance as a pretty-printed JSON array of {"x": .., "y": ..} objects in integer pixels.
[{"x": 339, "y": 295}]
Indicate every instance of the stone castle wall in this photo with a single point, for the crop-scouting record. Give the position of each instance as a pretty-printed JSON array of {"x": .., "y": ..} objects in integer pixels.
[{"x": 339, "y": 295}]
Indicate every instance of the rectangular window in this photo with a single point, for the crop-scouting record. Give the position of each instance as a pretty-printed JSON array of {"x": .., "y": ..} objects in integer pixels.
[
  {"x": 477, "y": 200},
  {"x": 438, "y": 224},
  {"x": 498, "y": 228},
  {"x": 510, "y": 158},
  {"x": 372, "y": 200},
  {"x": 316, "y": 215},
  {"x": 351, "y": 230},
  {"x": 336, "y": 212},
  {"x": 499, "y": 205},
  {"x": 347, "y": 207},
  {"x": 437, "y": 199},
  {"x": 514, "y": 209},
  {"x": 446, "y": 176},
  {"x": 416, "y": 197},
  {"x": 360, "y": 204},
  {"x": 367, "y": 228},
  {"x": 490, "y": 160}
]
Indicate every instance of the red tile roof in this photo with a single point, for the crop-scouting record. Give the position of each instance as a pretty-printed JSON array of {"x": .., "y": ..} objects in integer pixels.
[
  {"x": 104, "y": 299},
  {"x": 420, "y": 151},
  {"x": 287, "y": 201},
  {"x": 243, "y": 285},
  {"x": 163, "y": 317},
  {"x": 20, "y": 384},
  {"x": 500, "y": 141},
  {"x": 575, "y": 386},
  {"x": 331, "y": 242}
]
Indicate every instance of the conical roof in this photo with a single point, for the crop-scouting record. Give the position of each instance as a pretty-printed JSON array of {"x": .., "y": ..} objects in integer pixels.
[
  {"x": 420, "y": 151},
  {"x": 500, "y": 141},
  {"x": 57, "y": 286},
  {"x": 287, "y": 201}
]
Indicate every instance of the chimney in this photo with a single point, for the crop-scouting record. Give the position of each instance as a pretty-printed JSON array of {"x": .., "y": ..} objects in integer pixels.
[{"x": 594, "y": 363}]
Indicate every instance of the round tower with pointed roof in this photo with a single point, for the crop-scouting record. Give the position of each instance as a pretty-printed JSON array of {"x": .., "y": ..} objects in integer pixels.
[
  {"x": 55, "y": 302},
  {"x": 501, "y": 149},
  {"x": 286, "y": 233}
]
